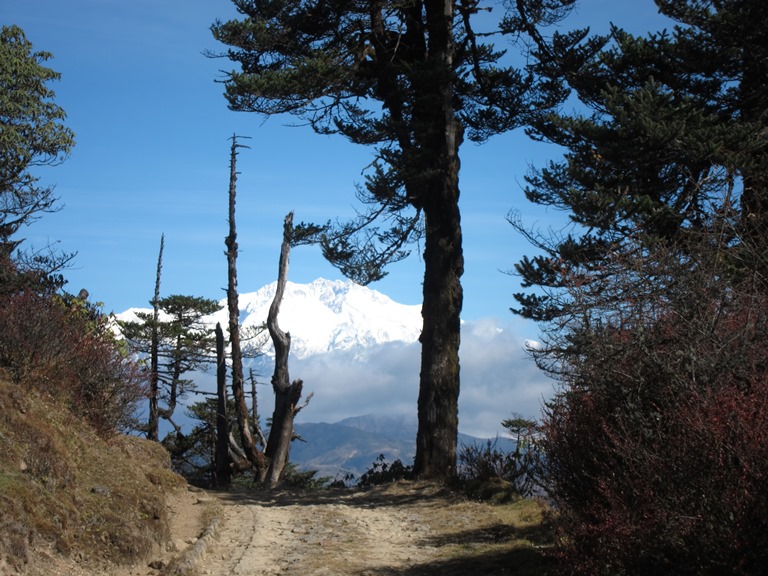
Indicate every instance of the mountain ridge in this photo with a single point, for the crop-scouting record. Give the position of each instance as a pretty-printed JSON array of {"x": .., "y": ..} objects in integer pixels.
[
  {"x": 353, "y": 444},
  {"x": 358, "y": 352}
]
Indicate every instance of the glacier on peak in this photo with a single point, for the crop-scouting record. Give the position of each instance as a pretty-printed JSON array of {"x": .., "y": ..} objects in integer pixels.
[{"x": 324, "y": 315}]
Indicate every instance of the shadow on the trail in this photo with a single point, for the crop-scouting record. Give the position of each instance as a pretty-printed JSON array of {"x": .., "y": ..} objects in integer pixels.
[
  {"x": 486, "y": 550},
  {"x": 508, "y": 562},
  {"x": 539, "y": 535},
  {"x": 398, "y": 494}
]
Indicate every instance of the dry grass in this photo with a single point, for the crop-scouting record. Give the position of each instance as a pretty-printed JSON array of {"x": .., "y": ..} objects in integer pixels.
[
  {"x": 496, "y": 535},
  {"x": 94, "y": 500},
  {"x": 508, "y": 538}
]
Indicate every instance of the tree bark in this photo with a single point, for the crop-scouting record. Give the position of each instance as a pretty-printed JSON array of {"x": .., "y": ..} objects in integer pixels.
[
  {"x": 437, "y": 434},
  {"x": 153, "y": 426},
  {"x": 222, "y": 469},
  {"x": 254, "y": 455},
  {"x": 287, "y": 393}
]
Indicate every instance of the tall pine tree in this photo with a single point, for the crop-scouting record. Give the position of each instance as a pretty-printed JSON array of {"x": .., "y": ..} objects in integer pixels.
[
  {"x": 184, "y": 345},
  {"x": 33, "y": 133},
  {"x": 407, "y": 78}
]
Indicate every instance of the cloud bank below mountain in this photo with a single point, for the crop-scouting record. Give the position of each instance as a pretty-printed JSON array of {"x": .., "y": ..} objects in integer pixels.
[{"x": 497, "y": 379}]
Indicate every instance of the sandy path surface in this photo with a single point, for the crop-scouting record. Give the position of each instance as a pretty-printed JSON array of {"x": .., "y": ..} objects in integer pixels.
[{"x": 359, "y": 533}]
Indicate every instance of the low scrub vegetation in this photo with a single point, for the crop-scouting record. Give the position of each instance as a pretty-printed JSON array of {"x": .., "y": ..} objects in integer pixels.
[
  {"x": 657, "y": 444},
  {"x": 383, "y": 472},
  {"x": 485, "y": 469},
  {"x": 64, "y": 347}
]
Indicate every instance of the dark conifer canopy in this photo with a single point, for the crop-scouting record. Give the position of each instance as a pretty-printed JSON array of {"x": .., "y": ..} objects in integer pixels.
[{"x": 673, "y": 137}]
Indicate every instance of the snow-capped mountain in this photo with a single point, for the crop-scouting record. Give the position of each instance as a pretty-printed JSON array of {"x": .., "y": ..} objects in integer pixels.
[
  {"x": 324, "y": 316},
  {"x": 357, "y": 351}
]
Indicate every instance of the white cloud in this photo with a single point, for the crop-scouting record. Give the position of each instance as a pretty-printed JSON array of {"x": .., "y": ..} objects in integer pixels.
[
  {"x": 498, "y": 377},
  {"x": 383, "y": 380}
]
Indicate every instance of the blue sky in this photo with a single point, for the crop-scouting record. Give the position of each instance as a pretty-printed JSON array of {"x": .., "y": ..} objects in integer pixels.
[{"x": 152, "y": 151}]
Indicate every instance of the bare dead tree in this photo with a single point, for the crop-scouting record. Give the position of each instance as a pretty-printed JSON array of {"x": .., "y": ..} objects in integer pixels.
[
  {"x": 255, "y": 420},
  {"x": 154, "y": 416},
  {"x": 254, "y": 455},
  {"x": 222, "y": 468},
  {"x": 287, "y": 393}
]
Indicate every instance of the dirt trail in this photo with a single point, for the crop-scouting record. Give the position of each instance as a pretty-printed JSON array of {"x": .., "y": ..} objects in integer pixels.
[
  {"x": 357, "y": 533},
  {"x": 406, "y": 529}
]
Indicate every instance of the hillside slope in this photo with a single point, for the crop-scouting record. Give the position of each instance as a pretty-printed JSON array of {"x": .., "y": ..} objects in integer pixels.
[
  {"x": 352, "y": 445},
  {"x": 66, "y": 492}
]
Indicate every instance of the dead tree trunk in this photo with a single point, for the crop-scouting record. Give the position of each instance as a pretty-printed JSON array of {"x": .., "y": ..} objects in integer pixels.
[
  {"x": 255, "y": 419},
  {"x": 153, "y": 426},
  {"x": 254, "y": 455},
  {"x": 287, "y": 393},
  {"x": 222, "y": 468}
]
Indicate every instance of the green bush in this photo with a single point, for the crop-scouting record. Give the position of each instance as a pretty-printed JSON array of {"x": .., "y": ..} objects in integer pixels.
[
  {"x": 383, "y": 472},
  {"x": 483, "y": 462}
]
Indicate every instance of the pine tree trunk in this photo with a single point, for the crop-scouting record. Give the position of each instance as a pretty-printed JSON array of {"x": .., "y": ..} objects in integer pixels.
[
  {"x": 153, "y": 426},
  {"x": 436, "y": 439}
]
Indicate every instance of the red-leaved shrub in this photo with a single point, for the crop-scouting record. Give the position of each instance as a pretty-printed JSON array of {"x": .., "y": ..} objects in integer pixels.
[
  {"x": 657, "y": 446},
  {"x": 64, "y": 347}
]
